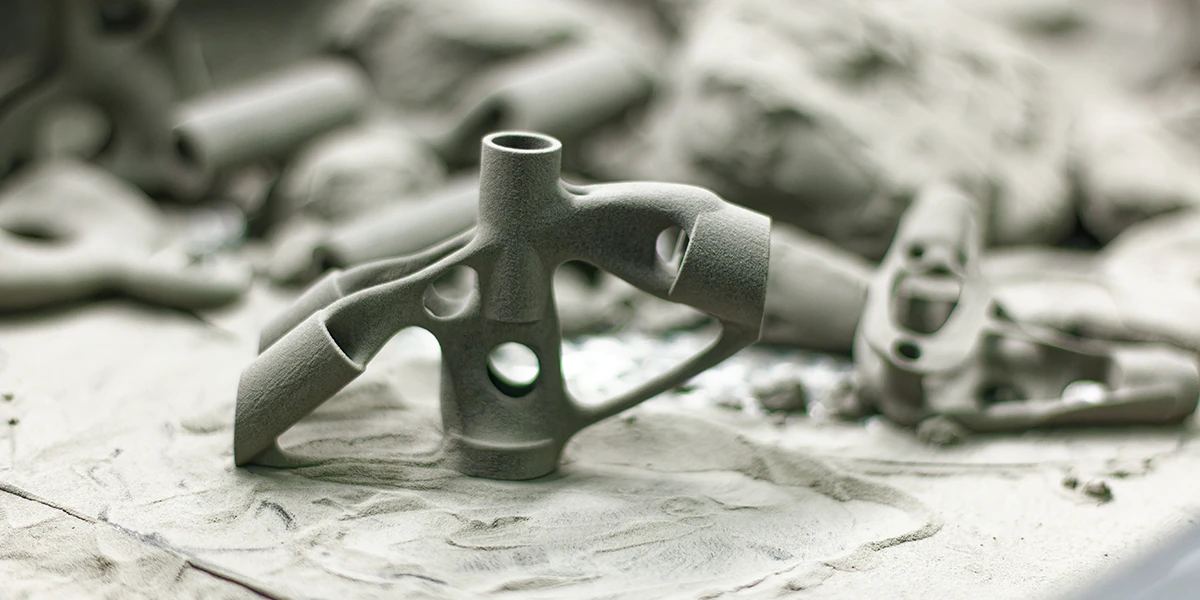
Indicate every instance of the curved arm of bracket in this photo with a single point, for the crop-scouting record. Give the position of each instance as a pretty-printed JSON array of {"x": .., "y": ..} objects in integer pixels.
[
  {"x": 725, "y": 260},
  {"x": 339, "y": 284},
  {"x": 733, "y": 337},
  {"x": 315, "y": 359},
  {"x": 1153, "y": 404}
]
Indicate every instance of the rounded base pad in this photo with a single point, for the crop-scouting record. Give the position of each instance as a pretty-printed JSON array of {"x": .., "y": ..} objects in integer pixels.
[{"x": 509, "y": 461}]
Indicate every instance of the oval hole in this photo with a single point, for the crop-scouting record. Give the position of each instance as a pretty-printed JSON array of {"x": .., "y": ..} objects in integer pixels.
[
  {"x": 908, "y": 350},
  {"x": 31, "y": 232},
  {"x": 923, "y": 303},
  {"x": 513, "y": 368},
  {"x": 523, "y": 141},
  {"x": 449, "y": 294},
  {"x": 670, "y": 245}
]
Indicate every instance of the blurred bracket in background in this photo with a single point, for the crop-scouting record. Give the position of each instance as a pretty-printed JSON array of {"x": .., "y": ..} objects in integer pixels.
[
  {"x": 70, "y": 231},
  {"x": 937, "y": 350}
]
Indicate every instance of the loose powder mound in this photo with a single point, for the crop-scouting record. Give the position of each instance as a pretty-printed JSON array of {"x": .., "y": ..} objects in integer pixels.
[{"x": 116, "y": 477}]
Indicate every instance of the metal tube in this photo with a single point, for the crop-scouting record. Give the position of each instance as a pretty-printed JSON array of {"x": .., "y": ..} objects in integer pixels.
[
  {"x": 269, "y": 117},
  {"x": 564, "y": 93}
]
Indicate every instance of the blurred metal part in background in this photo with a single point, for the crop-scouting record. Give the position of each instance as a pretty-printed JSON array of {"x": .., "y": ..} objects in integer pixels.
[
  {"x": 934, "y": 342},
  {"x": 1154, "y": 272},
  {"x": 122, "y": 56},
  {"x": 565, "y": 92},
  {"x": 70, "y": 231},
  {"x": 816, "y": 293},
  {"x": 132, "y": 77},
  {"x": 403, "y": 229},
  {"x": 268, "y": 116}
]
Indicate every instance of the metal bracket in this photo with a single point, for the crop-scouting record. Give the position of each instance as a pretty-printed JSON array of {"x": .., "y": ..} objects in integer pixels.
[
  {"x": 529, "y": 223},
  {"x": 934, "y": 342}
]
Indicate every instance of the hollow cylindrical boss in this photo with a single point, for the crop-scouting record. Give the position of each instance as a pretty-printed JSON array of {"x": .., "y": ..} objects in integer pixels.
[{"x": 271, "y": 116}]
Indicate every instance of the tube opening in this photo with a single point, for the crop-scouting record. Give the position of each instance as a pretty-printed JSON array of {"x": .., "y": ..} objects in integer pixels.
[{"x": 522, "y": 142}]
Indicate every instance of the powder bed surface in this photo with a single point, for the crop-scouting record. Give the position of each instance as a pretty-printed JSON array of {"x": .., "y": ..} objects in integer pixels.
[{"x": 116, "y": 479}]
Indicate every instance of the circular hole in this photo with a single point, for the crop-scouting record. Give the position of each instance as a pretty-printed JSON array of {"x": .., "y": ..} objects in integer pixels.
[
  {"x": 513, "y": 368},
  {"x": 908, "y": 350},
  {"x": 119, "y": 17},
  {"x": 670, "y": 246},
  {"x": 528, "y": 142},
  {"x": 30, "y": 232},
  {"x": 451, "y": 291},
  {"x": 916, "y": 250}
]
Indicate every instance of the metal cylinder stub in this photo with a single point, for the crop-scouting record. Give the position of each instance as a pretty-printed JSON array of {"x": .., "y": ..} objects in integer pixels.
[{"x": 267, "y": 117}]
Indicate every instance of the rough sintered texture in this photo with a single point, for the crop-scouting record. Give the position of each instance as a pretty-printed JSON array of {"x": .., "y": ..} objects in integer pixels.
[
  {"x": 828, "y": 115},
  {"x": 680, "y": 499},
  {"x": 530, "y": 222}
]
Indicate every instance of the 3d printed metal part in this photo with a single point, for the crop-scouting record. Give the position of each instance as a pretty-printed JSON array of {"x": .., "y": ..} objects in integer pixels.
[
  {"x": 164, "y": 136},
  {"x": 934, "y": 342},
  {"x": 71, "y": 231},
  {"x": 529, "y": 223},
  {"x": 102, "y": 53}
]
